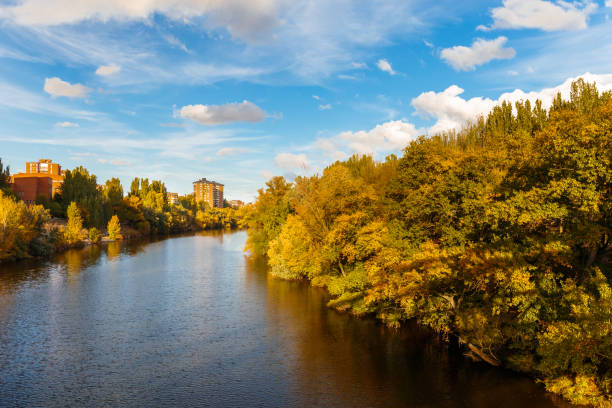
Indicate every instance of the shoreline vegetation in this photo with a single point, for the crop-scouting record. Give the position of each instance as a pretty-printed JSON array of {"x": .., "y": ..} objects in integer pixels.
[
  {"x": 496, "y": 236},
  {"x": 83, "y": 213}
]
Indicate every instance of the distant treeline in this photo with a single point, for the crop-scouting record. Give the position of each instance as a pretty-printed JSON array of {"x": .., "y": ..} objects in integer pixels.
[
  {"x": 496, "y": 236},
  {"x": 27, "y": 231}
]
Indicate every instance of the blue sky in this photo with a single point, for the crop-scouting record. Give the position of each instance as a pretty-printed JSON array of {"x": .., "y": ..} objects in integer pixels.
[{"x": 240, "y": 90}]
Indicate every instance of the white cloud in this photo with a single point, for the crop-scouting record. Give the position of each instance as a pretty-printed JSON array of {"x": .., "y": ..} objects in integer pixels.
[
  {"x": 67, "y": 124},
  {"x": 393, "y": 135},
  {"x": 543, "y": 15},
  {"x": 331, "y": 147},
  {"x": 463, "y": 58},
  {"x": 27, "y": 101},
  {"x": 451, "y": 111},
  {"x": 325, "y": 107},
  {"x": 290, "y": 161},
  {"x": 218, "y": 114},
  {"x": 175, "y": 42},
  {"x": 358, "y": 65},
  {"x": 242, "y": 18},
  {"x": 56, "y": 87},
  {"x": 106, "y": 70},
  {"x": 302, "y": 37},
  {"x": 230, "y": 151},
  {"x": 385, "y": 66},
  {"x": 388, "y": 137},
  {"x": 316, "y": 97},
  {"x": 609, "y": 3}
]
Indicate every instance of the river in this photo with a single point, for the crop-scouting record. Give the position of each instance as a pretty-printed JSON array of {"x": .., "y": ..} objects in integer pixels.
[{"x": 193, "y": 321}]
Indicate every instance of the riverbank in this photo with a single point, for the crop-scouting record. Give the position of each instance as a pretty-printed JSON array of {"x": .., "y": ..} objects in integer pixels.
[
  {"x": 38, "y": 236},
  {"x": 497, "y": 235},
  {"x": 29, "y": 230},
  {"x": 33, "y": 229}
]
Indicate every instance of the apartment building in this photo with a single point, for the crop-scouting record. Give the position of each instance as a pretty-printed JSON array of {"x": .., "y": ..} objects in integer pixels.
[
  {"x": 41, "y": 178},
  {"x": 173, "y": 198},
  {"x": 236, "y": 203},
  {"x": 209, "y": 192}
]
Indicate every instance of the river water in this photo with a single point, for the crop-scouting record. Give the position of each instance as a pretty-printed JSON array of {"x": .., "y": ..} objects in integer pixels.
[{"x": 193, "y": 321}]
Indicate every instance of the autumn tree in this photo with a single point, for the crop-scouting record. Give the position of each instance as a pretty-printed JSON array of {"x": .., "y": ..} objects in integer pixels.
[
  {"x": 496, "y": 235},
  {"x": 114, "y": 228},
  {"x": 74, "y": 226},
  {"x": 20, "y": 225}
]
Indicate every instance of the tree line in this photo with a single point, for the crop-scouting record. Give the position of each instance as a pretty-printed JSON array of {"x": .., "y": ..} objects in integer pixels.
[
  {"x": 91, "y": 209},
  {"x": 497, "y": 236}
]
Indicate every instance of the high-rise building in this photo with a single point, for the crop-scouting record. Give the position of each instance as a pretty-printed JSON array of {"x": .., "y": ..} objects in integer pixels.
[
  {"x": 210, "y": 192},
  {"x": 42, "y": 178}
]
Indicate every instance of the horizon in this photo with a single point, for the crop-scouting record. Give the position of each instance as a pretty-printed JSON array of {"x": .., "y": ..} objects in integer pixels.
[{"x": 238, "y": 92}]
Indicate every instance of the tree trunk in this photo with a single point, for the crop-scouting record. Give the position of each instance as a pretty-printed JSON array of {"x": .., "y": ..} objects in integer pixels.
[
  {"x": 476, "y": 353},
  {"x": 341, "y": 269},
  {"x": 592, "y": 256},
  {"x": 483, "y": 356}
]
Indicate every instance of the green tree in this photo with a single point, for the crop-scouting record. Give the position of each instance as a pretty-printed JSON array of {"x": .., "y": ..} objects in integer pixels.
[
  {"x": 135, "y": 187},
  {"x": 113, "y": 191},
  {"x": 81, "y": 187},
  {"x": 5, "y": 176}
]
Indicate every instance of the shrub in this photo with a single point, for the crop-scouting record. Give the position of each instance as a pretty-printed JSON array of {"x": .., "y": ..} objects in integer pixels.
[{"x": 94, "y": 235}]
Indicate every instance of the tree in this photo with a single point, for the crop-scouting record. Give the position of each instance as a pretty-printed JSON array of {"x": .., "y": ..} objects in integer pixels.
[
  {"x": 5, "y": 176},
  {"x": 81, "y": 187},
  {"x": 74, "y": 226},
  {"x": 129, "y": 211},
  {"x": 20, "y": 226},
  {"x": 94, "y": 235},
  {"x": 114, "y": 228},
  {"x": 497, "y": 235},
  {"x": 268, "y": 215},
  {"x": 135, "y": 187},
  {"x": 113, "y": 191}
]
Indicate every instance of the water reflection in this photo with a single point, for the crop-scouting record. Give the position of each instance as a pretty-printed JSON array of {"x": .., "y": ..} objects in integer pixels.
[
  {"x": 192, "y": 321},
  {"x": 340, "y": 360},
  {"x": 113, "y": 250}
]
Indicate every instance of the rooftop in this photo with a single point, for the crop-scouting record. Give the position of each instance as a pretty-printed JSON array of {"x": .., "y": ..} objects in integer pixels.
[{"x": 203, "y": 180}]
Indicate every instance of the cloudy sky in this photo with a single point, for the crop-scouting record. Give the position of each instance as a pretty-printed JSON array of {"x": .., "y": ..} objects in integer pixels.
[{"x": 240, "y": 90}]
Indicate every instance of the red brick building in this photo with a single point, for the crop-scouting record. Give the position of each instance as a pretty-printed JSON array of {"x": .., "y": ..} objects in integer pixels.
[
  {"x": 42, "y": 178},
  {"x": 28, "y": 188}
]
